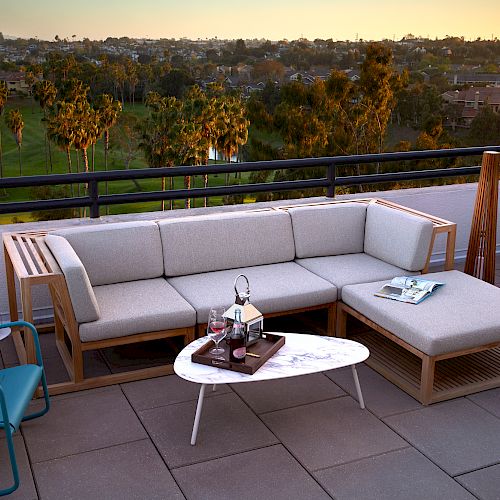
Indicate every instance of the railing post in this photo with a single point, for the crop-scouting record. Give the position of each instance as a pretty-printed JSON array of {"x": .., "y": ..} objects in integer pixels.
[
  {"x": 94, "y": 198},
  {"x": 330, "y": 175}
]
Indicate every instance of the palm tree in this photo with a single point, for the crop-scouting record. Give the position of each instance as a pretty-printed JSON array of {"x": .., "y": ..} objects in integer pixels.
[
  {"x": 236, "y": 130},
  {"x": 4, "y": 92},
  {"x": 108, "y": 110},
  {"x": 189, "y": 148},
  {"x": 201, "y": 110},
  {"x": 74, "y": 90},
  {"x": 158, "y": 133},
  {"x": 132, "y": 79},
  {"x": 15, "y": 123},
  {"x": 44, "y": 92},
  {"x": 60, "y": 129},
  {"x": 29, "y": 78},
  {"x": 86, "y": 129}
]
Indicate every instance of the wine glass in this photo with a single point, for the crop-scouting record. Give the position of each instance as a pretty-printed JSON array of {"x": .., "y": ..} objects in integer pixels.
[{"x": 216, "y": 328}]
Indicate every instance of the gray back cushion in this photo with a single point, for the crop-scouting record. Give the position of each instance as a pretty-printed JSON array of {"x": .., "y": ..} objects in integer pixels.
[
  {"x": 397, "y": 237},
  {"x": 213, "y": 242},
  {"x": 80, "y": 290},
  {"x": 115, "y": 253},
  {"x": 323, "y": 230}
]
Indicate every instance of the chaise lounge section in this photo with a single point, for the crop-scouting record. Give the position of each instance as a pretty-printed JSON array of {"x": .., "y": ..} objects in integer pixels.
[{"x": 445, "y": 347}]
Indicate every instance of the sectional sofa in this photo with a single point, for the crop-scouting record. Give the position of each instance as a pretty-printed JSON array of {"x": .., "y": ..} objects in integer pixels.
[{"x": 136, "y": 281}]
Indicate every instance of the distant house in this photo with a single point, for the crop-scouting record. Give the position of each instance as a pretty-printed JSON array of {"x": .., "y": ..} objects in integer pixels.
[
  {"x": 472, "y": 100},
  {"x": 16, "y": 82},
  {"x": 303, "y": 77},
  {"x": 352, "y": 74},
  {"x": 474, "y": 78},
  {"x": 321, "y": 72}
]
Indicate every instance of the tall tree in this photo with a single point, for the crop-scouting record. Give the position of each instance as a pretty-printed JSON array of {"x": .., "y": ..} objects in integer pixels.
[
  {"x": 44, "y": 92},
  {"x": 15, "y": 123},
  {"x": 201, "y": 110},
  {"x": 132, "y": 79},
  {"x": 485, "y": 127},
  {"x": 235, "y": 133},
  {"x": 378, "y": 84},
  {"x": 61, "y": 128},
  {"x": 108, "y": 111},
  {"x": 74, "y": 90},
  {"x": 157, "y": 133},
  {"x": 4, "y": 92}
]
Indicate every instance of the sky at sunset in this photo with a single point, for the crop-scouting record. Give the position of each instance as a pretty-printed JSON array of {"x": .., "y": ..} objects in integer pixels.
[{"x": 271, "y": 19}]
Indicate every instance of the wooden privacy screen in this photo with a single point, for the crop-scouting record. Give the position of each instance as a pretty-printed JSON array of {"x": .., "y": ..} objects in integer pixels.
[{"x": 481, "y": 253}]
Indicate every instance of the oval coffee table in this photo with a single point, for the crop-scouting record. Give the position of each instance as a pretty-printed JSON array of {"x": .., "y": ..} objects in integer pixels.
[{"x": 302, "y": 354}]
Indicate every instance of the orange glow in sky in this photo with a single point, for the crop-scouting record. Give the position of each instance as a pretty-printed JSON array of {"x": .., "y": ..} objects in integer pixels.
[{"x": 270, "y": 19}]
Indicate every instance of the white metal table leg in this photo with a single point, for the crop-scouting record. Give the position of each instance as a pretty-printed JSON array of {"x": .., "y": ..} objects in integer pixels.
[
  {"x": 199, "y": 407},
  {"x": 361, "y": 401},
  {"x": 214, "y": 387}
]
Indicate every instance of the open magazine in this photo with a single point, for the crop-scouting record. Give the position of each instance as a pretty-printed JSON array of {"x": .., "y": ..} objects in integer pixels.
[{"x": 410, "y": 289}]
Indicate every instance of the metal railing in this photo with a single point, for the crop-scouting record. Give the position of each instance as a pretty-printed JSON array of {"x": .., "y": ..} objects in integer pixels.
[{"x": 94, "y": 200}]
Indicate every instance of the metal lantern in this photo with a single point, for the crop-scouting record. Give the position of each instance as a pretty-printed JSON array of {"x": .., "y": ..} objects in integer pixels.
[{"x": 251, "y": 317}]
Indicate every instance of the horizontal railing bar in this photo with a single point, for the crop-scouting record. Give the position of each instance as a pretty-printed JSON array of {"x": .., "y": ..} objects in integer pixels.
[
  {"x": 413, "y": 175},
  {"x": 148, "y": 173},
  {"x": 179, "y": 194},
  {"x": 30, "y": 206}
]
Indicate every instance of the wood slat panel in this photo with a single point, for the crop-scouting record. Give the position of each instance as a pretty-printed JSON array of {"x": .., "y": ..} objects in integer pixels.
[
  {"x": 36, "y": 255},
  {"x": 453, "y": 377},
  {"x": 23, "y": 252}
]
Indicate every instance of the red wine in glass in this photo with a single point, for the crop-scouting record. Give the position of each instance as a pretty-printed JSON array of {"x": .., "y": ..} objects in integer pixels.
[{"x": 217, "y": 326}]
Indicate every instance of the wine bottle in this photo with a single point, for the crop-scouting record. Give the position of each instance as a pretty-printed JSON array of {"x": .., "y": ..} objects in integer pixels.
[{"x": 237, "y": 341}]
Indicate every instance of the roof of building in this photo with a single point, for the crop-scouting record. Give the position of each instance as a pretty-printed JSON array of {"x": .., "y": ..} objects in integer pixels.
[
  {"x": 12, "y": 76},
  {"x": 486, "y": 94}
]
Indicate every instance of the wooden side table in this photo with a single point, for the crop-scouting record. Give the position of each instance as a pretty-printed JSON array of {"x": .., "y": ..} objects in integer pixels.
[{"x": 28, "y": 259}]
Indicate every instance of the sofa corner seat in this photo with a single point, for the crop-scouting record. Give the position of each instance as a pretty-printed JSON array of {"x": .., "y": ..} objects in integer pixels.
[
  {"x": 133, "y": 302},
  {"x": 350, "y": 243}
]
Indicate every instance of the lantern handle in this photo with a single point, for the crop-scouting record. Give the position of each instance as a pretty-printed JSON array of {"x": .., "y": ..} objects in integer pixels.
[{"x": 242, "y": 295}]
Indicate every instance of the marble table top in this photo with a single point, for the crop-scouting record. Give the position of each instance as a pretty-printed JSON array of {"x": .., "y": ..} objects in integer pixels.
[{"x": 301, "y": 354}]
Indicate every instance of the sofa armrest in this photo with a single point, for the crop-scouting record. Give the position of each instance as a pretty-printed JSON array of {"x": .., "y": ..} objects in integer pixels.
[
  {"x": 440, "y": 226},
  {"x": 80, "y": 290}
]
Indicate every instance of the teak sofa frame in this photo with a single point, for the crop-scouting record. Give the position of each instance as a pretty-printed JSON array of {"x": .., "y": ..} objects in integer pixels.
[{"x": 28, "y": 258}]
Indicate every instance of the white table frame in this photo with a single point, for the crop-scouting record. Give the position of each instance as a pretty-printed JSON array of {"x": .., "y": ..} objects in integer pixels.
[{"x": 302, "y": 354}]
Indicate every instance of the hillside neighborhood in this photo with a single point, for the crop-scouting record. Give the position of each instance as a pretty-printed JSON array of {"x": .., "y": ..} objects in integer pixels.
[{"x": 453, "y": 65}]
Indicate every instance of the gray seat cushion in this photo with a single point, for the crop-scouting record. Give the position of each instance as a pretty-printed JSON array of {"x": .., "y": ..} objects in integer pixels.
[
  {"x": 80, "y": 290},
  {"x": 351, "y": 269},
  {"x": 397, "y": 237},
  {"x": 462, "y": 314},
  {"x": 137, "y": 307},
  {"x": 332, "y": 229},
  {"x": 206, "y": 243},
  {"x": 273, "y": 288},
  {"x": 114, "y": 253}
]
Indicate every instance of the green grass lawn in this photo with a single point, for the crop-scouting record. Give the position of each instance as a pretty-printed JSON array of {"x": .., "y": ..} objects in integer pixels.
[{"x": 33, "y": 159}]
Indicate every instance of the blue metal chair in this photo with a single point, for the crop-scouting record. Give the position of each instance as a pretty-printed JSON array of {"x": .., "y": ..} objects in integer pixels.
[{"x": 17, "y": 387}]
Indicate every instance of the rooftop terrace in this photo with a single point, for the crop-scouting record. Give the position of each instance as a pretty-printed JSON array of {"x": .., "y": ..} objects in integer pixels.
[{"x": 303, "y": 437}]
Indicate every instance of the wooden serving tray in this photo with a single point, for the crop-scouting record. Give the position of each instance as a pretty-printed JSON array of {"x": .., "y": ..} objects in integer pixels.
[{"x": 265, "y": 347}]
